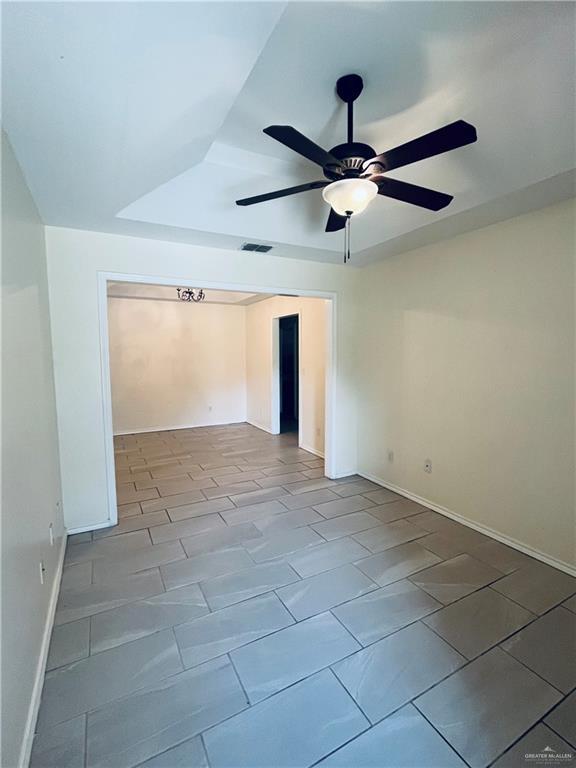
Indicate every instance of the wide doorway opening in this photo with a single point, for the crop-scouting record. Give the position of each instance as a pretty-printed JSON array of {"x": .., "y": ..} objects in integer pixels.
[{"x": 189, "y": 382}]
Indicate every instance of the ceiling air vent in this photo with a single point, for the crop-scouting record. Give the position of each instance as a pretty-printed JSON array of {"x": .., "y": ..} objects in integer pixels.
[{"x": 255, "y": 247}]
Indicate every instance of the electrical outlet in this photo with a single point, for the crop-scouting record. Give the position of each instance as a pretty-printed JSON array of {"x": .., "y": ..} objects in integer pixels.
[
  {"x": 42, "y": 571},
  {"x": 391, "y": 457},
  {"x": 428, "y": 466},
  {"x": 51, "y": 534}
]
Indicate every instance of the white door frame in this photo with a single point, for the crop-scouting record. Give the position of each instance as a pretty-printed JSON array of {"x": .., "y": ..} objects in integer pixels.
[{"x": 331, "y": 346}]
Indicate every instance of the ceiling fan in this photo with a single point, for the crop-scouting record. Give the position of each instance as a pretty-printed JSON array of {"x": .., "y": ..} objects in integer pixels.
[{"x": 356, "y": 174}]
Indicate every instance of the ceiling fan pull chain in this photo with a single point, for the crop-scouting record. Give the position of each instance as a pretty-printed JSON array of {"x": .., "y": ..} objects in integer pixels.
[{"x": 347, "y": 237}]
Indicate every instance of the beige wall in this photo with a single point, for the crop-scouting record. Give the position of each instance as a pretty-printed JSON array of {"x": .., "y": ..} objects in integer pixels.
[
  {"x": 30, "y": 467},
  {"x": 262, "y": 371},
  {"x": 176, "y": 365},
  {"x": 467, "y": 358}
]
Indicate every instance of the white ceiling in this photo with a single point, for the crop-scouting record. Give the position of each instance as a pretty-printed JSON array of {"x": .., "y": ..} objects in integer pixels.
[
  {"x": 153, "y": 292},
  {"x": 146, "y": 118}
]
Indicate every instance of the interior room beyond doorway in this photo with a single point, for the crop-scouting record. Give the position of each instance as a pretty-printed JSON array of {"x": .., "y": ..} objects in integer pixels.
[{"x": 231, "y": 358}]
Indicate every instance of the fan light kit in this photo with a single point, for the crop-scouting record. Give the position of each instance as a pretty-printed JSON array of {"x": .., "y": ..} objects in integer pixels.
[
  {"x": 355, "y": 173},
  {"x": 350, "y": 196},
  {"x": 189, "y": 294}
]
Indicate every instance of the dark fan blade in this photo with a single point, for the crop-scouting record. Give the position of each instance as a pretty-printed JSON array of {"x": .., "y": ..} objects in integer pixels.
[
  {"x": 452, "y": 136},
  {"x": 282, "y": 192},
  {"x": 410, "y": 193},
  {"x": 295, "y": 140},
  {"x": 335, "y": 221}
]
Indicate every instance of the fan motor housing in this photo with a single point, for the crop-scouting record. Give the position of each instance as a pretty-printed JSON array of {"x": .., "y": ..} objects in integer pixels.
[{"x": 352, "y": 155}]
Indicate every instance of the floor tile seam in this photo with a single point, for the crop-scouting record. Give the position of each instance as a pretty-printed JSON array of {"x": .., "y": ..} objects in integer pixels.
[
  {"x": 473, "y": 554},
  {"x": 324, "y": 667},
  {"x": 381, "y": 504},
  {"x": 203, "y": 742},
  {"x": 162, "y": 578},
  {"x": 128, "y": 602},
  {"x": 210, "y": 611},
  {"x": 525, "y": 733},
  {"x": 180, "y": 656},
  {"x": 270, "y": 487},
  {"x": 283, "y": 691},
  {"x": 343, "y": 514},
  {"x": 386, "y": 549},
  {"x": 400, "y": 578},
  {"x": 344, "y": 744},
  {"x": 169, "y": 496},
  {"x": 244, "y": 645},
  {"x": 246, "y": 599},
  {"x": 119, "y": 556},
  {"x": 534, "y": 672},
  {"x": 240, "y": 683},
  {"x": 412, "y": 699},
  {"x": 347, "y": 692},
  {"x": 554, "y": 730},
  {"x": 130, "y": 482},
  {"x": 538, "y": 615},
  {"x": 486, "y": 650},
  {"x": 458, "y": 600},
  {"x": 85, "y": 742},
  {"x": 127, "y": 642},
  {"x": 116, "y": 699},
  {"x": 399, "y": 629},
  {"x": 168, "y": 749},
  {"x": 89, "y": 635},
  {"x": 477, "y": 589},
  {"x": 484, "y": 653},
  {"x": 431, "y": 724},
  {"x": 345, "y": 628},
  {"x": 431, "y": 613},
  {"x": 339, "y": 565},
  {"x": 332, "y": 606}
]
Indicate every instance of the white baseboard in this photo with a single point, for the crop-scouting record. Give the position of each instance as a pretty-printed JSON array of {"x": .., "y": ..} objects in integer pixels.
[
  {"x": 93, "y": 527},
  {"x": 141, "y": 431},
  {"x": 311, "y": 450},
  {"x": 260, "y": 426},
  {"x": 346, "y": 473},
  {"x": 28, "y": 738},
  {"x": 511, "y": 542}
]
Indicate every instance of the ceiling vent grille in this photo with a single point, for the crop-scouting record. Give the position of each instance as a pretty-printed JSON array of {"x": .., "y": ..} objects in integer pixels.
[{"x": 255, "y": 247}]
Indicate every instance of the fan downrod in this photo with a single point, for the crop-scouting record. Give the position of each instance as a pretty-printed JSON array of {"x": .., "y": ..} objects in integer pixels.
[{"x": 349, "y": 87}]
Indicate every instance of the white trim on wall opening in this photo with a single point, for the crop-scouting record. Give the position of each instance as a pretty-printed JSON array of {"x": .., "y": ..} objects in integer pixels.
[
  {"x": 275, "y": 383},
  {"x": 102, "y": 281},
  {"x": 107, "y": 398}
]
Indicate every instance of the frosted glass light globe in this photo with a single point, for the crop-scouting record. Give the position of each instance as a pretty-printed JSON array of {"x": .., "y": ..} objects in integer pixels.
[{"x": 350, "y": 195}]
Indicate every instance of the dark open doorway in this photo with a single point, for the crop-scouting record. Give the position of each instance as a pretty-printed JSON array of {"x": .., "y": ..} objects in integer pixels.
[{"x": 289, "y": 365}]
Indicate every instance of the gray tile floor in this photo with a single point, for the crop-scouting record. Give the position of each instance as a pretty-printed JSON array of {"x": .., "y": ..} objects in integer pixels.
[{"x": 247, "y": 611}]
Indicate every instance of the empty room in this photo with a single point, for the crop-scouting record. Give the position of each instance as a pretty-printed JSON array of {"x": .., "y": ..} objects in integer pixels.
[{"x": 288, "y": 384}]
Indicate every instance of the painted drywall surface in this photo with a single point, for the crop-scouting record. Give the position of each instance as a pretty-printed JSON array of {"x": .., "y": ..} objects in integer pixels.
[
  {"x": 76, "y": 257},
  {"x": 176, "y": 365},
  {"x": 30, "y": 468},
  {"x": 467, "y": 359},
  {"x": 261, "y": 367}
]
